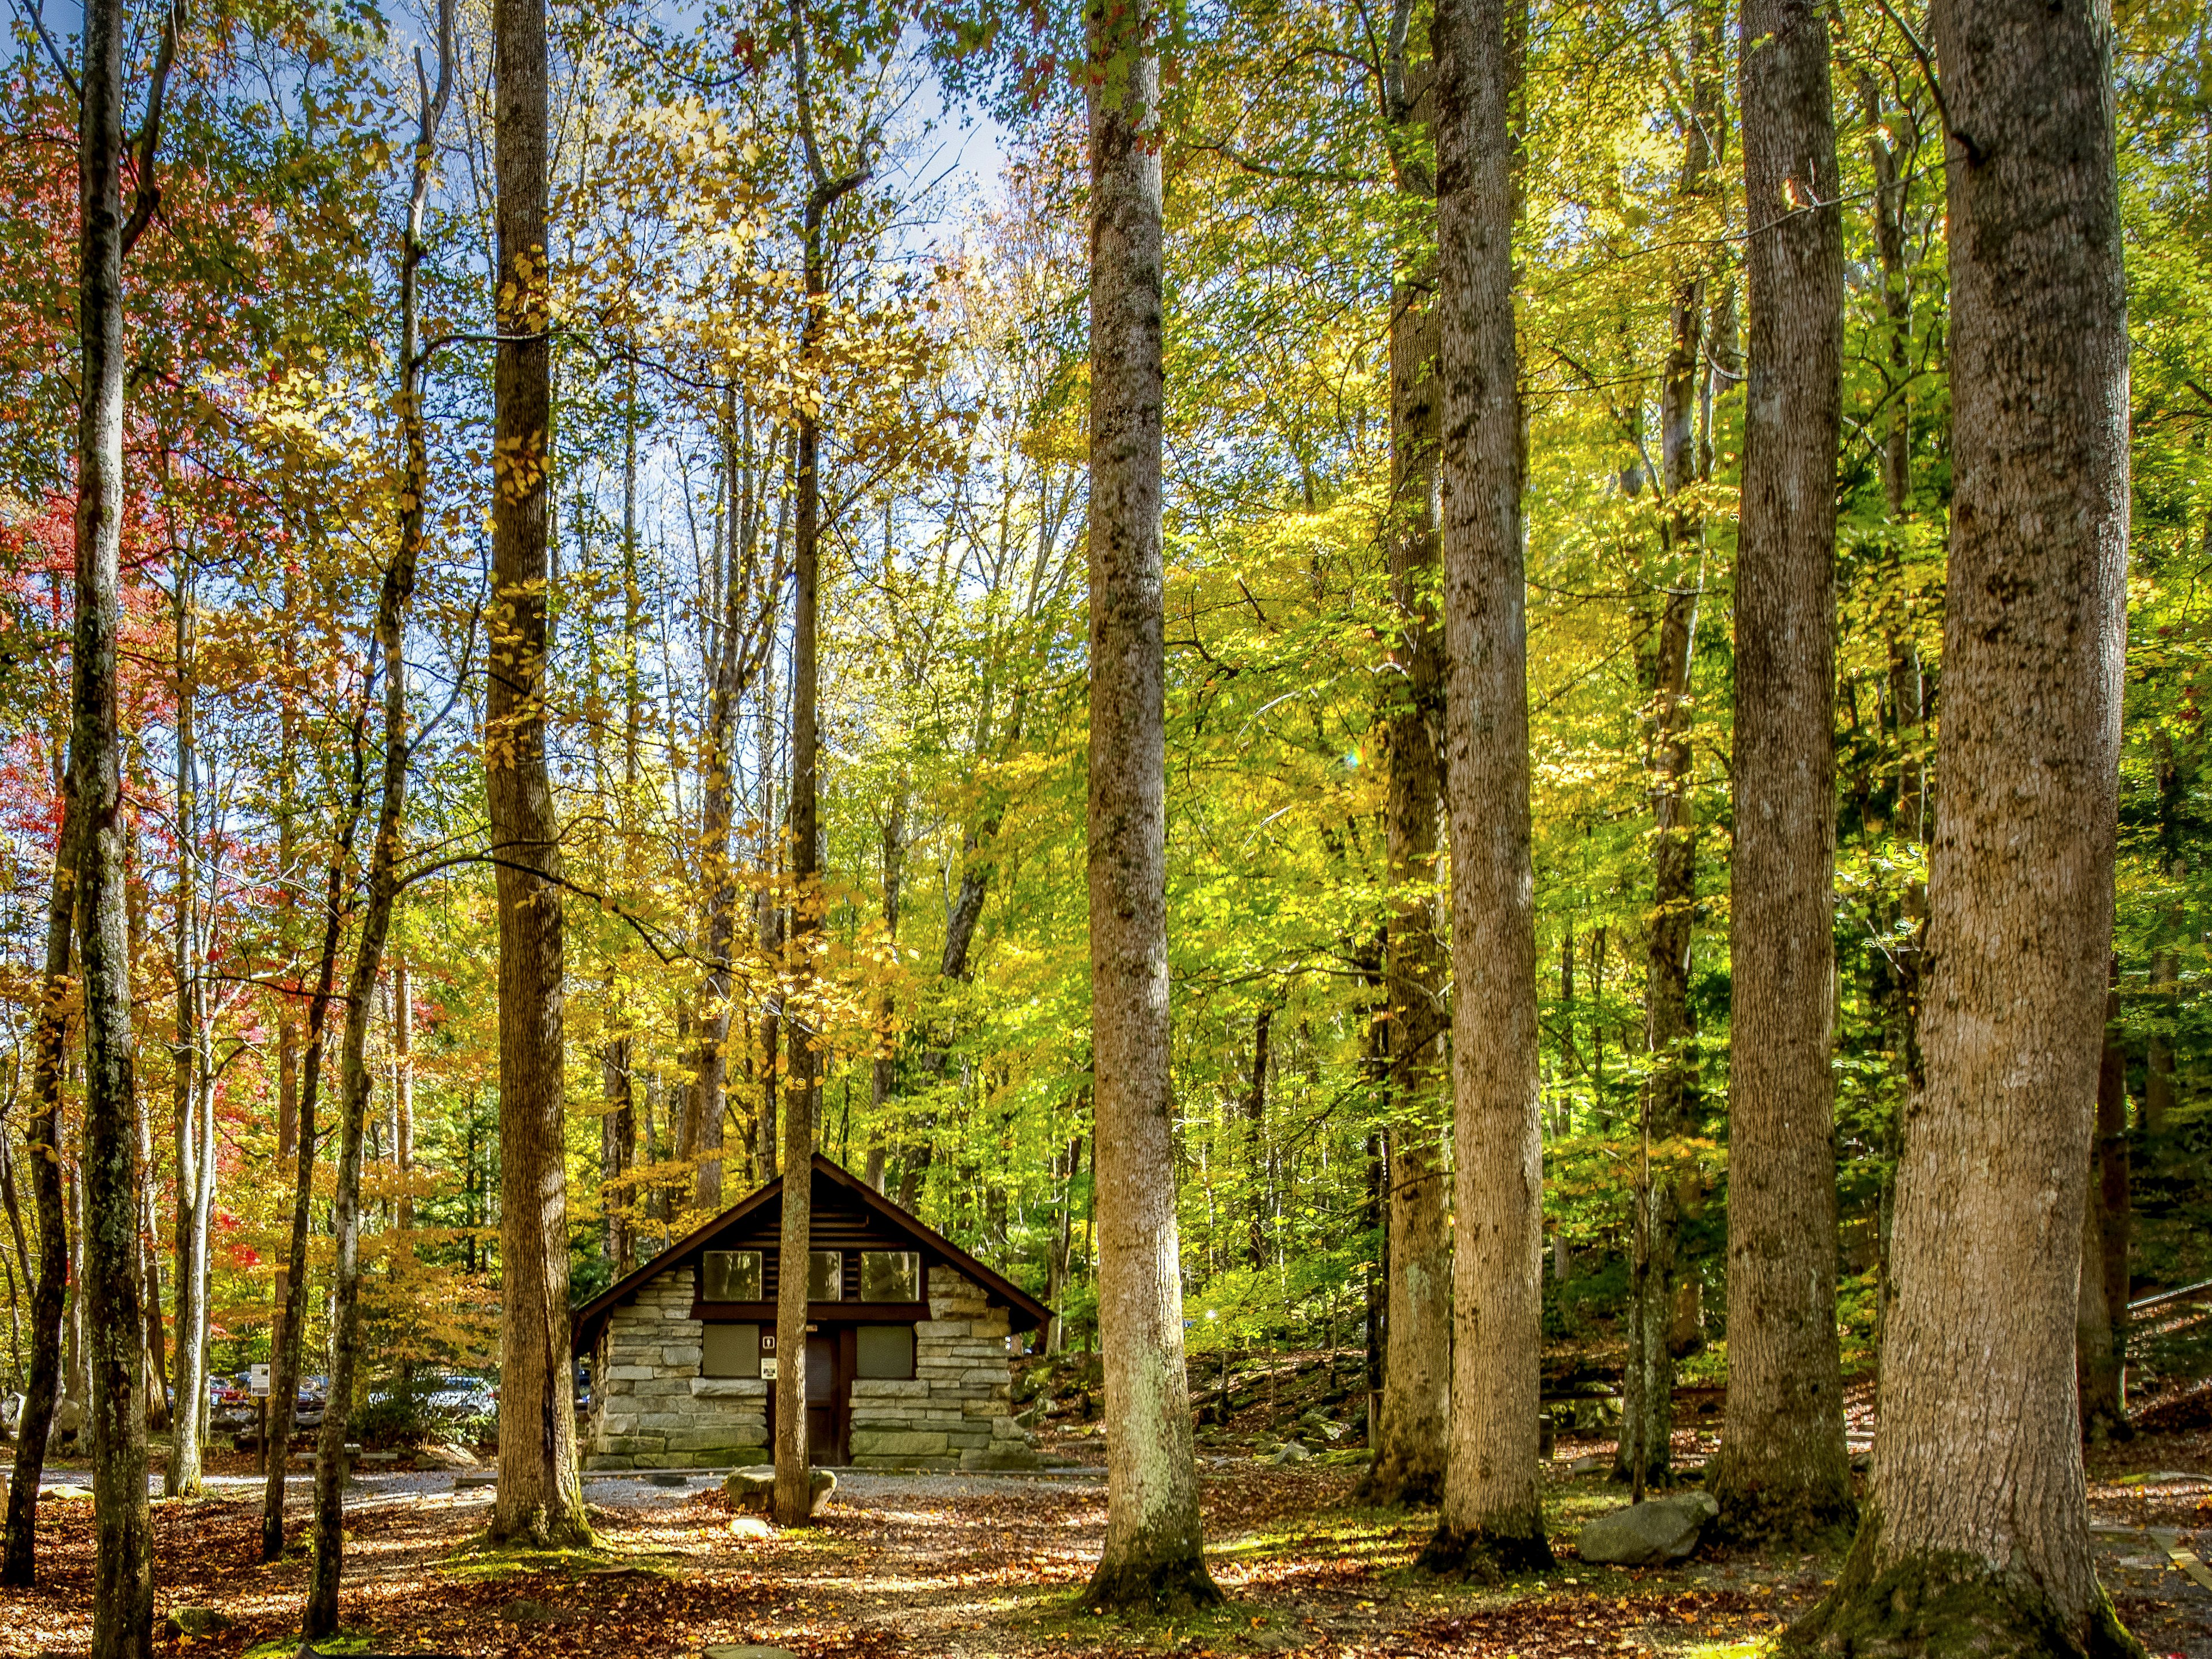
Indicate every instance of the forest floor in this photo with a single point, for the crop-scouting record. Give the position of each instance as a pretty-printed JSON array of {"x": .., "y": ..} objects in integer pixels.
[{"x": 970, "y": 1566}]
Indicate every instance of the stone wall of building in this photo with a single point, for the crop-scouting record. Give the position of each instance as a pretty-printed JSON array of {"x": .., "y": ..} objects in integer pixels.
[
  {"x": 957, "y": 1413},
  {"x": 652, "y": 1410},
  {"x": 650, "y": 1407}
]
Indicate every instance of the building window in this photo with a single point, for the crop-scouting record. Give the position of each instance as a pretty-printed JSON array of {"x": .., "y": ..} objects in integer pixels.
[
  {"x": 731, "y": 1276},
  {"x": 825, "y": 1275},
  {"x": 729, "y": 1351},
  {"x": 885, "y": 1350},
  {"x": 891, "y": 1276}
]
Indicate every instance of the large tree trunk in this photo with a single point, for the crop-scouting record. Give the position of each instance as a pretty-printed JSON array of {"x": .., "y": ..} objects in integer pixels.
[
  {"x": 541, "y": 1500},
  {"x": 122, "y": 1583},
  {"x": 1153, "y": 1557},
  {"x": 42, "y": 1138},
  {"x": 1782, "y": 1469},
  {"x": 1977, "y": 1534},
  {"x": 1410, "y": 1448},
  {"x": 1493, "y": 1517}
]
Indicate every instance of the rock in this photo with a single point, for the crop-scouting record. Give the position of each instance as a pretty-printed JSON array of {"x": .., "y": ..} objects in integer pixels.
[
  {"x": 1289, "y": 1452},
  {"x": 1588, "y": 1464},
  {"x": 754, "y": 1489},
  {"x": 1001, "y": 1455},
  {"x": 1320, "y": 1427},
  {"x": 439, "y": 1455},
  {"x": 1644, "y": 1534},
  {"x": 195, "y": 1622},
  {"x": 69, "y": 1418}
]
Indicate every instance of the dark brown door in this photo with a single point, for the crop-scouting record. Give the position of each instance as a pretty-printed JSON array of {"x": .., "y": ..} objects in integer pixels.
[{"x": 824, "y": 1401}]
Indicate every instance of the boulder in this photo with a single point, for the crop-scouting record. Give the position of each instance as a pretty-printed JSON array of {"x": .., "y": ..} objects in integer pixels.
[
  {"x": 754, "y": 1489},
  {"x": 195, "y": 1622},
  {"x": 1318, "y": 1427},
  {"x": 1289, "y": 1452},
  {"x": 444, "y": 1456},
  {"x": 1644, "y": 1534},
  {"x": 69, "y": 1418}
]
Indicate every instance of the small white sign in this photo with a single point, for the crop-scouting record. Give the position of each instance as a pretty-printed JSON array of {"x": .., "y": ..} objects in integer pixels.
[
  {"x": 257, "y": 1378},
  {"x": 768, "y": 1369}
]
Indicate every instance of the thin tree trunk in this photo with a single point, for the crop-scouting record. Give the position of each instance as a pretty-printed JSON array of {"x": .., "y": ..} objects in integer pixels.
[
  {"x": 541, "y": 1500},
  {"x": 1411, "y": 1451},
  {"x": 794, "y": 1496},
  {"x": 883, "y": 1078},
  {"x": 42, "y": 1140},
  {"x": 1153, "y": 1557},
  {"x": 320, "y": 1617},
  {"x": 182, "y": 1478},
  {"x": 2100, "y": 1319},
  {"x": 122, "y": 1583},
  {"x": 1783, "y": 1470},
  {"x": 285, "y": 1370},
  {"x": 1977, "y": 1536},
  {"x": 1493, "y": 1517},
  {"x": 1256, "y": 1139},
  {"x": 403, "y": 1092}
]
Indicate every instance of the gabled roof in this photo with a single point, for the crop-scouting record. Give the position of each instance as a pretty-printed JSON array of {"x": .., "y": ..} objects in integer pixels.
[{"x": 1028, "y": 1312}]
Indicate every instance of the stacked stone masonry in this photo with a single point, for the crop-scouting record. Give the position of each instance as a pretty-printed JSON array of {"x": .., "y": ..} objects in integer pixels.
[{"x": 651, "y": 1408}]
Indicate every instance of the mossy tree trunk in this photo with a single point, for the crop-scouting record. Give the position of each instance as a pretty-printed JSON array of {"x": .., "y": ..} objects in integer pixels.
[{"x": 1977, "y": 1538}]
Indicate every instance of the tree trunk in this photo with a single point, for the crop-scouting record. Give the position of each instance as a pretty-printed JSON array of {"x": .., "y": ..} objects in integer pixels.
[
  {"x": 541, "y": 1500},
  {"x": 1153, "y": 1557},
  {"x": 284, "y": 1371},
  {"x": 194, "y": 1181},
  {"x": 794, "y": 1494},
  {"x": 123, "y": 1584},
  {"x": 403, "y": 1092},
  {"x": 1410, "y": 1451},
  {"x": 1978, "y": 1535},
  {"x": 42, "y": 1138},
  {"x": 1783, "y": 1470},
  {"x": 1492, "y": 1518},
  {"x": 883, "y": 1077},
  {"x": 2100, "y": 1323}
]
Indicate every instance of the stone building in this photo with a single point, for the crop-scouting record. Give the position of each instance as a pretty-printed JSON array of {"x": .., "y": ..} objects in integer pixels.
[{"x": 907, "y": 1342}]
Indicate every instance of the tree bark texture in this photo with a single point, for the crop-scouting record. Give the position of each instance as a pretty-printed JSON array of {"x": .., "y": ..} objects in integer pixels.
[
  {"x": 1153, "y": 1557},
  {"x": 1492, "y": 1518},
  {"x": 540, "y": 1500},
  {"x": 1411, "y": 1447},
  {"x": 42, "y": 1138},
  {"x": 1977, "y": 1532},
  {"x": 123, "y": 1581},
  {"x": 1782, "y": 1469}
]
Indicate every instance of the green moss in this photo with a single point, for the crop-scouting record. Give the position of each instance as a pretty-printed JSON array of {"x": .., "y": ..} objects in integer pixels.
[
  {"x": 1936, "y": 1607},
  {"x": 283, "y": 1647},
  {"x": 1171, "y": 1583}
]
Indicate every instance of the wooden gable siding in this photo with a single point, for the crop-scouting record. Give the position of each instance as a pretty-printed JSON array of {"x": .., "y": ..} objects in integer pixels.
[{"x": 839, "y": 1224}]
